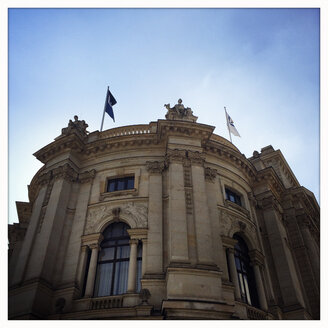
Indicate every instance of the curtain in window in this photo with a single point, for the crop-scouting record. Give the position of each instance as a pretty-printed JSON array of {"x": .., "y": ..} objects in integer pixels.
[
  {"x": 245, "y": 273},
  {"x": 113, "y": 261}
]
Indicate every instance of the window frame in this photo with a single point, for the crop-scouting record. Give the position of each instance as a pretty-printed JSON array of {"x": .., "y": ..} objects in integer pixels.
[
  {"x": 119, "y": 179},
  {"x": 237, "y": 196}
]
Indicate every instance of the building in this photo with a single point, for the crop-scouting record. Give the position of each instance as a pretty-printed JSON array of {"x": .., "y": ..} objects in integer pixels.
[{"x": 163, "y": 221}]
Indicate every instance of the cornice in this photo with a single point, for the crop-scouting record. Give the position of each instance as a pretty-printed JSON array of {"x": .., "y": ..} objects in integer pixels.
[
  {"x": 270, "y": 177},
  {"x": 63, "y": 144},
  {"x": 232, "y": 156}
]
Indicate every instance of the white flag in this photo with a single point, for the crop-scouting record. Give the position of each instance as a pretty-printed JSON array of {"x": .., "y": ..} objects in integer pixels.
[{"x": 230, "y": 125}]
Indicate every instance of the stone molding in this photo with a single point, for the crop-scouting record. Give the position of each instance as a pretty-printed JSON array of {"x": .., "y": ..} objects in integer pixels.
[
  {"x": 65, "y": 172},
  {"x": 87, "y": 176},
  {"x": 92, "y": 240},
  {"x": 237, "y": 207},
  {"x": 232, "y": 223},
  {"x": 210, "y": 174},
  {"x": 196, "y": 158},
  {"x": 257, "y": 258},
  {"x": 155, "y": 167},
  {"x": 134, "y": 214},
  {"x": 175, "y": 156},
  {"x": 138, "y": 234},
  {"x": 44, "y": 179},
  {"x": 228, "y": 242}
]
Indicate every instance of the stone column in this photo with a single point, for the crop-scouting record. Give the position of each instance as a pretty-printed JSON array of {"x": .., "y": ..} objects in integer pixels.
[
  {"x": 201, "y": 211},
  {"x": 233, "y": 272},
  {"x": 46, "y": 246},
  {"x": 132, "y": 266},
  {"x": 92, "y": 270},
  {"x": 283, "y": 260},
  {"x": 155, "y": 221},
  {"x": 144, "y": 257},
  {"x": 71, "y": 270},
  {"x": 177, "y": 219},
  {"x": 31, "y": 231},
  {"x": 82, "y": 266},
  {"x": 260, "y": 288},
  {"x": 314, "y": 257}
]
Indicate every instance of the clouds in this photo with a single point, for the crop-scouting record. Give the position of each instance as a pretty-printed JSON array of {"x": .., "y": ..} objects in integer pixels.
[{"x": 263, "y": 65}]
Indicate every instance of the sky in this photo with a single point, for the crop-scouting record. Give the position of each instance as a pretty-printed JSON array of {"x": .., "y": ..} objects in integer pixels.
[{"x": 263, "y": 65}]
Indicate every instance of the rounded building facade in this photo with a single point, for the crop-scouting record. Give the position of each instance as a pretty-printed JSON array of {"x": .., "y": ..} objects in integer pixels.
[{"x": 163, "y": 221}]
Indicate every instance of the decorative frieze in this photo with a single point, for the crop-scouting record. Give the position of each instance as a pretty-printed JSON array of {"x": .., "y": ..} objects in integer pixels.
[
  {"x": 155, "y": 167},
  {"x": 210, "y": 174},
  {"x": 134, "y": 214}
]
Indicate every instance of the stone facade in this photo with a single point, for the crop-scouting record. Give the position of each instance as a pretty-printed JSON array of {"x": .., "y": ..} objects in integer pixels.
[{"x": 178, "y": 210}]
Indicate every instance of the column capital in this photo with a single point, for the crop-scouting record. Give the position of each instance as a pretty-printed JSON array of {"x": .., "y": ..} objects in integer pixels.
[
  {"x": 175, "y": 156},
  {"x": 65, "y": 172},
  {"x": 87, "y": 176},
  {"x": 44, "y": 179},
  {"x": 133, "y": 241},
  {"x": 84, "y": 248},
  {"x": 92, "y": 239},
  {"x": 137, "y": 234},
  {"x": 210, "y": 174},
  {"x": 196, "y": 158},
  {"x": 256, "y": 257},
  {"x": 228, "y": 242},
  {"x": 155, "y": 167}
]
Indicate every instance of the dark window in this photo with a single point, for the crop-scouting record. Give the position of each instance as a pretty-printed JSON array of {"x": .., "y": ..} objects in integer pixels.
[
  {"x": 113, "y": 261},
  {"x": 123, "y": 183},
  {"x": 245, "y": 273},
  {"x": 233, "y": 197}
]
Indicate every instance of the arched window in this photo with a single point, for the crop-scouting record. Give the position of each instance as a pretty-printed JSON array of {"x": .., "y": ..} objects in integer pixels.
[
  {"x": 113, "y": 261},
  {"x": 245, "y": 273}
]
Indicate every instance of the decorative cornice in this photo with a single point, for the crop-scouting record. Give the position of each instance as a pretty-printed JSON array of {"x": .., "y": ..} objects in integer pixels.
[
  {"x": 87, "y": 176},
  {"x": 210, "y": 174},
  {"x": 155, "y": 167}
]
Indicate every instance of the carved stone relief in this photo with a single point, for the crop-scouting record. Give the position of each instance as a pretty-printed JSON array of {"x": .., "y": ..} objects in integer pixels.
[
  {"x": 133, "y": 214},
  {"x": 230, "y": 224}
]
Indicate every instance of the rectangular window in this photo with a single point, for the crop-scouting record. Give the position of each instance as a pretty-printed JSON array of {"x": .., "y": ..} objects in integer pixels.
[
  {"x": 117, "y": 184},
  {"x": 233, "y": 197}
]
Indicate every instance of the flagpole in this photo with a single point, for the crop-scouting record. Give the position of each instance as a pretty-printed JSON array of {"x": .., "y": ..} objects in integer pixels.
[
  {"x": 227, "y": 124},
  {"x": 102, "y": 121}
]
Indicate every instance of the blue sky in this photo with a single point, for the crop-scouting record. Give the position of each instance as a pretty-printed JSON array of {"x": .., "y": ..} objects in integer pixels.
[{"x": 262, "y": 64}]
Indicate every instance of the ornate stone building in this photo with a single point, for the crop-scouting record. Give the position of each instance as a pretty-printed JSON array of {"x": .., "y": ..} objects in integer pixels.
[{"x": 163, "y": 221}]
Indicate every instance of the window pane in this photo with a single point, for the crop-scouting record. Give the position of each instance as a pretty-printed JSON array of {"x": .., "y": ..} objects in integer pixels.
[
  {"x": 106, "y": 254},
  {"x": 237, "y": 263},
  {"x": 130, "y": 183},
  {"x": 120, "y": 184},
  {"x": 247, "y": 291},
  {"x": 111, "y": 186},
  {"x": 104, "y": 279},
  {"x": 123, "y": 252},
  {"x": 121, "y": 277}
]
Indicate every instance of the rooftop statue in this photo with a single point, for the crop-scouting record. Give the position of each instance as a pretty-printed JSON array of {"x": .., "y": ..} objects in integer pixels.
[
  {"x": 78, "y": 126},
  {"x": 180, "y": 112}
]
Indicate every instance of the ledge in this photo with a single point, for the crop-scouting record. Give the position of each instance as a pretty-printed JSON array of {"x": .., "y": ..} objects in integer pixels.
[{"x": 127, "y": 192}]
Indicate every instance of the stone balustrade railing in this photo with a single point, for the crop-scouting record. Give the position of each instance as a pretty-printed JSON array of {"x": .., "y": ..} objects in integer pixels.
[
  {"x": 126, "y": 131},
  {"x": 256, "y": 314},
  {"x": 106, "y": 302},
  {"x": 216, "y": 138}
]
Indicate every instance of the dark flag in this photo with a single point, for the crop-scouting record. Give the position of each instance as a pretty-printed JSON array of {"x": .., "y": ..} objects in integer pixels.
[{"x": 110, "y": 101}]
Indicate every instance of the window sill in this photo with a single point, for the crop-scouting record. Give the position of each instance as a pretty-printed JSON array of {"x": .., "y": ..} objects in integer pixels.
[
  {"x": 237, "y": 207},
  {"x": 126, "y": 192}
]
